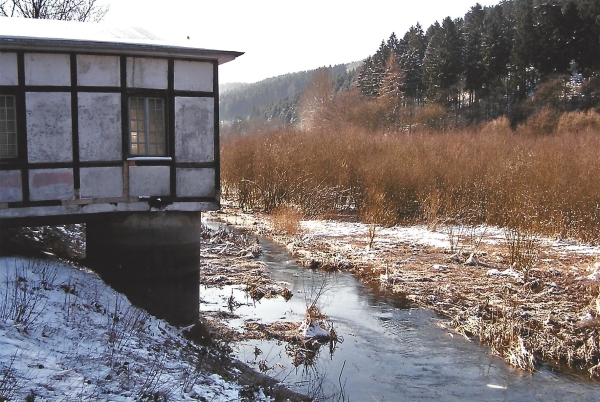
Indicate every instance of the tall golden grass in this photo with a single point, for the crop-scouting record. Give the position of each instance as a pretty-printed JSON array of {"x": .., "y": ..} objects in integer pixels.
[{"x": 542, "y": 177}]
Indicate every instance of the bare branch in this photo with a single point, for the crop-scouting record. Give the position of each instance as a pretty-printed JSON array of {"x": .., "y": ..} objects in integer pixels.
[{"x": 65, "y": 10}]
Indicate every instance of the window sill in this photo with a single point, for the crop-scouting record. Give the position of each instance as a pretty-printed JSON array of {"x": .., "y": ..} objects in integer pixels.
[
  {"x": 150, "y": 158},
  {"x": 150, "y": 161}
]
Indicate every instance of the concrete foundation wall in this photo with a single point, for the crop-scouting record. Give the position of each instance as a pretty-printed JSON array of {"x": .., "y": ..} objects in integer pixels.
[{"x": 154, "y": 258}]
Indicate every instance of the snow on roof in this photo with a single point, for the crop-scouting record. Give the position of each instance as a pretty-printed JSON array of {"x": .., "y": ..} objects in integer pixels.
[{"x": 37, "y": 34}]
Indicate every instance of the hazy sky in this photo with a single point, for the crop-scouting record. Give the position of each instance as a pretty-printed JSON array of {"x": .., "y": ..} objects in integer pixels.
[{"x": 281, "y": 36}]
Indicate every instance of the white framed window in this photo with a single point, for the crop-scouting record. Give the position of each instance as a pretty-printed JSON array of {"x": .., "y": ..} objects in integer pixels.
[
  {"x": 147, "y": 127},
  {"x": 8, "y": 127}
]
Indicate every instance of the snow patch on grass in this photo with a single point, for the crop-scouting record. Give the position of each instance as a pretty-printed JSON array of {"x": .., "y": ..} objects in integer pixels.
[{"x": 65, "y": 335}]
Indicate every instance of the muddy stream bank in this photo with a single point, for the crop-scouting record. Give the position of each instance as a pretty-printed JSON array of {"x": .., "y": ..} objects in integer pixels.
[{"x": 387, "y": 349}]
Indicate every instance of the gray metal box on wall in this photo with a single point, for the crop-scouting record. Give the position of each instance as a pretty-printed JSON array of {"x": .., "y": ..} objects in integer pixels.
[{"x": 96, "y": 119}]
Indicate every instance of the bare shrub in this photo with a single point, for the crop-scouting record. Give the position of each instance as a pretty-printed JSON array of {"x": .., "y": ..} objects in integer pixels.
[
  {"x": 455, "y": 231},
  {"x": 123, "y": 325},
  {"x": 578, "y": 122},
  {"x": 499, "y": 126},
  {"x": 286, "y": 219},
  {"x": 371, "y": 234},
  {"x": 434, "y": 117},
  {"x": 9, "y": 383},
  {"x": 432, "y": 208},
  {"x": 24, "y": 298},
  {"x": 152, "y": 388},
  {"x": 370, "y": 114},
  {"x": 523, "y": 249},
  {"x": 313, "y": 296},
  {"x": 378, "y": 209},
  {"x": 544, "y": 122}
]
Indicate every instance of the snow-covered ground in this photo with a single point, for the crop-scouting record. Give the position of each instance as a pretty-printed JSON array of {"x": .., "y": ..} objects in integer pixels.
[
  {"x": 342, "y": 234},
  {"x": 67, "y": 336}
]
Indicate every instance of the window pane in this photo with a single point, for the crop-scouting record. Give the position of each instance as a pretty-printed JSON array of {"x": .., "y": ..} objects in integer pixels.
[
  {"x": 136, "y": 125},
  {"x": 160, "y": 137},
  {"x": 146, "y": 124},
  {"x": 8, "y": 127}
]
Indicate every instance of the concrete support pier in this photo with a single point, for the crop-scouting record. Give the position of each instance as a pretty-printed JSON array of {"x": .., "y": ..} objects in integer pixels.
[{"x": 153, "y": 258}]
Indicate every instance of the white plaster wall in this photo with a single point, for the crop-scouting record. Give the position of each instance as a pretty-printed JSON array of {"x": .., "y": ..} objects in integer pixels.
[
  {"x": 49, "y": 136},
  {"x": 47, "y": 69},
  {"x": 101, "y": 182},
  {"x": 99, "y": 126},
  {"x": 194, "y": 129},
  {"x": 10, "y": 186},
  {"x": 195, "y": 182},
  {"x": 147, "y": 73},
  {"x": 51, "y": 184},
  {"x": 8, "y": 69},
  {"x": 193, "y": 76},
  {"x": 149, "y": 181},
  {"x": 101, "y": 71}
]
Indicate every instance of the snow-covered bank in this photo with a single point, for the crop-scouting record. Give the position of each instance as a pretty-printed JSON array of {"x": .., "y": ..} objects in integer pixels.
[{"x": 65, "y": 335}]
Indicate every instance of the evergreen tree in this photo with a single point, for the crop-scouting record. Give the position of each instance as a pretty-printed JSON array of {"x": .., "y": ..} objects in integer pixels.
[
  {"x": 411, "y": 62},
  {"x": 366, "y": 81},
  {"x": 586, "y": 44},
  {"x": 496, "y": 45},
  {"x": 524, "y": 51},
  {"x": 474, "y": 68},
  {"x": 442, "y": 62},
  {"x": 552, "y": 51}
]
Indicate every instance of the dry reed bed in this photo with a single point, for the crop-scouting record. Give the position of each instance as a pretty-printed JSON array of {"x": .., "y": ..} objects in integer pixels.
[{"x": 491, "y": 175}]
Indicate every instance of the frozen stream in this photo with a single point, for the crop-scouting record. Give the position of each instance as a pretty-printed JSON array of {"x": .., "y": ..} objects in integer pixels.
[{"x": 390, "y": 352}]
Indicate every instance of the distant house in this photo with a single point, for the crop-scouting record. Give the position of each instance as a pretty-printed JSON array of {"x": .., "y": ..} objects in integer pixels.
[{"x": 95, "y": 120}]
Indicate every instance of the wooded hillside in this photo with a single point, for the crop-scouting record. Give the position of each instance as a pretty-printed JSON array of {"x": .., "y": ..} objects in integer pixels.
[{"x": 277, "y": 97}]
